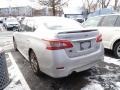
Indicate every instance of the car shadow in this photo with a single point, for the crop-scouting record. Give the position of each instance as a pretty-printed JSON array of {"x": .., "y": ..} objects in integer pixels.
[{"x": 75, "y": 81}]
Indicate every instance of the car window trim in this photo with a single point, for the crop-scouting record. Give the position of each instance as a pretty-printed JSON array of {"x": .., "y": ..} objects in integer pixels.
[
  {"x": 102, "y": 18},
  {"x": 116, "y": 21}
]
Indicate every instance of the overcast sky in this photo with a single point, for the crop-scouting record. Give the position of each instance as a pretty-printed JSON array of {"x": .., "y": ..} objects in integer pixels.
[
  {"x": 76, "y": 3},
  {"x": 7, "y": 3},
  {"x": 18, "y": 3}
]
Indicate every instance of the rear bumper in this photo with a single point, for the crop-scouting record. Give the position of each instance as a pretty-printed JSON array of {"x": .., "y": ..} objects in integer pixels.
[
  {"x": 76, "y": 64},
  {"x": 65, "y": 72}
]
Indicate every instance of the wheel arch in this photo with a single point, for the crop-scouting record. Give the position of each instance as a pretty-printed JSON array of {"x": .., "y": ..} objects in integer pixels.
[
  {"x": 13, "y": 38},
  {"x": 118, "y": 40}
]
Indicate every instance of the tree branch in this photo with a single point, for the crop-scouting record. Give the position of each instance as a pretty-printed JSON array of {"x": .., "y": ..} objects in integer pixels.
[{"x": 107, "y": 3}]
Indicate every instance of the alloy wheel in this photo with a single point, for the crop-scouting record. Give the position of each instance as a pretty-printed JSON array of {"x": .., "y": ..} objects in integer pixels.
[
  {"x": 118, "y": 51},
  {"x": 34, "y": 63}
]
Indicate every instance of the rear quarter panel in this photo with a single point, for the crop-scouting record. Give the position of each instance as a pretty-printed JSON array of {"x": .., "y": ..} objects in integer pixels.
[
  {"x": 45, "y": 57},
  {"x": 35, "y": 42}
]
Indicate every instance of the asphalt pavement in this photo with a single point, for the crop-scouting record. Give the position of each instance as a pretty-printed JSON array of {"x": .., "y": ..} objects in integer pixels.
[
  {"x": 6, "y": 40},
  {"x": 75, "y": 81},
  {"x": 104, "y": 76}
]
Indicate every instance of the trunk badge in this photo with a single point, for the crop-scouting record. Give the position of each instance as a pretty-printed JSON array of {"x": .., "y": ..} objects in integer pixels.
[{"x": 86, "y": 35}]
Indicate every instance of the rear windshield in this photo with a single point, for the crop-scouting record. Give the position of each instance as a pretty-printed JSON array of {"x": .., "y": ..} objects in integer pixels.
[
  {"x": 62, "y": 24},
  {"x": 11, "y": 20}
]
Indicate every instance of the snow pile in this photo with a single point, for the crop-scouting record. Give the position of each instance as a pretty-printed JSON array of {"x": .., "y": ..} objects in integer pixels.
[
  {"x": 112, "y": 60},
  {"x": 93, "y": 86},
  {"x": 118, "y": 85}
]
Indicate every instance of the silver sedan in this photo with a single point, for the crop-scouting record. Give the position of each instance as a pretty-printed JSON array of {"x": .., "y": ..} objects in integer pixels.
[{"x": 58, "y": 46}]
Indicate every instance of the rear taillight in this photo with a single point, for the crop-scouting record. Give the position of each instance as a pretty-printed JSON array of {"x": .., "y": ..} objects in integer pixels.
[
  {"x": 58, "y": 44},
  {"x": 99, "y": 38}
]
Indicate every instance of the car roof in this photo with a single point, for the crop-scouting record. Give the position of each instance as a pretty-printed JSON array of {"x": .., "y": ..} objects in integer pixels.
[
  {"x": 51, "y": 20},
  {"x": 46, "y": 18},
  {"x": 104, "y": 15}
]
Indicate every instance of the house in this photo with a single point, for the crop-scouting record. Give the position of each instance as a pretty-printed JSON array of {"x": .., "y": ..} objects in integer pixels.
[{"x": 77, "y": 13}]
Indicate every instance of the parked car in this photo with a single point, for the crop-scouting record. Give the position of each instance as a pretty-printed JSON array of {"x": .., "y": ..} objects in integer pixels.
[
  {"x": 58, "y": 46},
  {"x": 109, "y": 26},
  {"x": 11, "y": 23},
  {"x": 78, "y": 14},
  {"x": 102, "y": 11},
  {"x": 20, "y": 19}
]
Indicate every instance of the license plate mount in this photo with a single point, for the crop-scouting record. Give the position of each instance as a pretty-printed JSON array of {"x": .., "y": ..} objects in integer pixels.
[{"x": 84, "y": 45}]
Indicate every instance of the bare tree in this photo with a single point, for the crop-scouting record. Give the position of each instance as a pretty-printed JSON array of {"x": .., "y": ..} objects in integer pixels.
[
  {"x": 104, "y": 3},
  {"x": 115, "y": 6},
  {"x": 91, "y": 4},
  {"x": 54, "y": 4}
]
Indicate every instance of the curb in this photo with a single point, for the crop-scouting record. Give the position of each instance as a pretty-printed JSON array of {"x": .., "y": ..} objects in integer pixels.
[{"x": 18, "y": 73}]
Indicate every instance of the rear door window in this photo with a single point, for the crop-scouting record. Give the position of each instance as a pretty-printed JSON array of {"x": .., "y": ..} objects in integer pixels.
[
  {"x": 117, "y": 24},
  {"x": 94, "y": 21},
  {"x": 109, "y": 20}
]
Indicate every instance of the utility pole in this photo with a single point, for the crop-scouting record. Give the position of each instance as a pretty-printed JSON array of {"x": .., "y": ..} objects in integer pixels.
[{"x": 9, "y": 7}]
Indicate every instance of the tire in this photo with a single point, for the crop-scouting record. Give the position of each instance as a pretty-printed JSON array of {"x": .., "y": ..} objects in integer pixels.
[
  {"x": 34, "y": 63},
  {"x": 15, "y": 45},
  {"x": 116, "y": 50}
]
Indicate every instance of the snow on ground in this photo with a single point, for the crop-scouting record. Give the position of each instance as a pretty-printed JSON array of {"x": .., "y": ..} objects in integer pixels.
[
  {"x": 93, "y": 86},
  {"x": 108, "y": 79},
  {"x": 112, "y": 60},
  {"x": 103, "y": 82},
  {"x": 118, "y": 85},
  {"x": 15, "y": 83}
]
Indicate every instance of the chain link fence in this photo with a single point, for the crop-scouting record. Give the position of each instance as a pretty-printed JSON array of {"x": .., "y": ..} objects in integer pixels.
[{"x": 4, "y": 77}]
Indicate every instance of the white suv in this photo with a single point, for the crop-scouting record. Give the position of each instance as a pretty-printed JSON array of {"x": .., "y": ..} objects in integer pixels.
[{"x": 109, "y": 26}]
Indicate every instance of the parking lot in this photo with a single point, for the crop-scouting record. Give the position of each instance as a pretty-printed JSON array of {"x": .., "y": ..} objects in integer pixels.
[{"x": 105, "y": 76}]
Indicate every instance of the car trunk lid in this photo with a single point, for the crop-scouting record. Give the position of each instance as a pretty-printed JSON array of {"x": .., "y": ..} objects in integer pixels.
[{"x": 84, "y": 42}]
